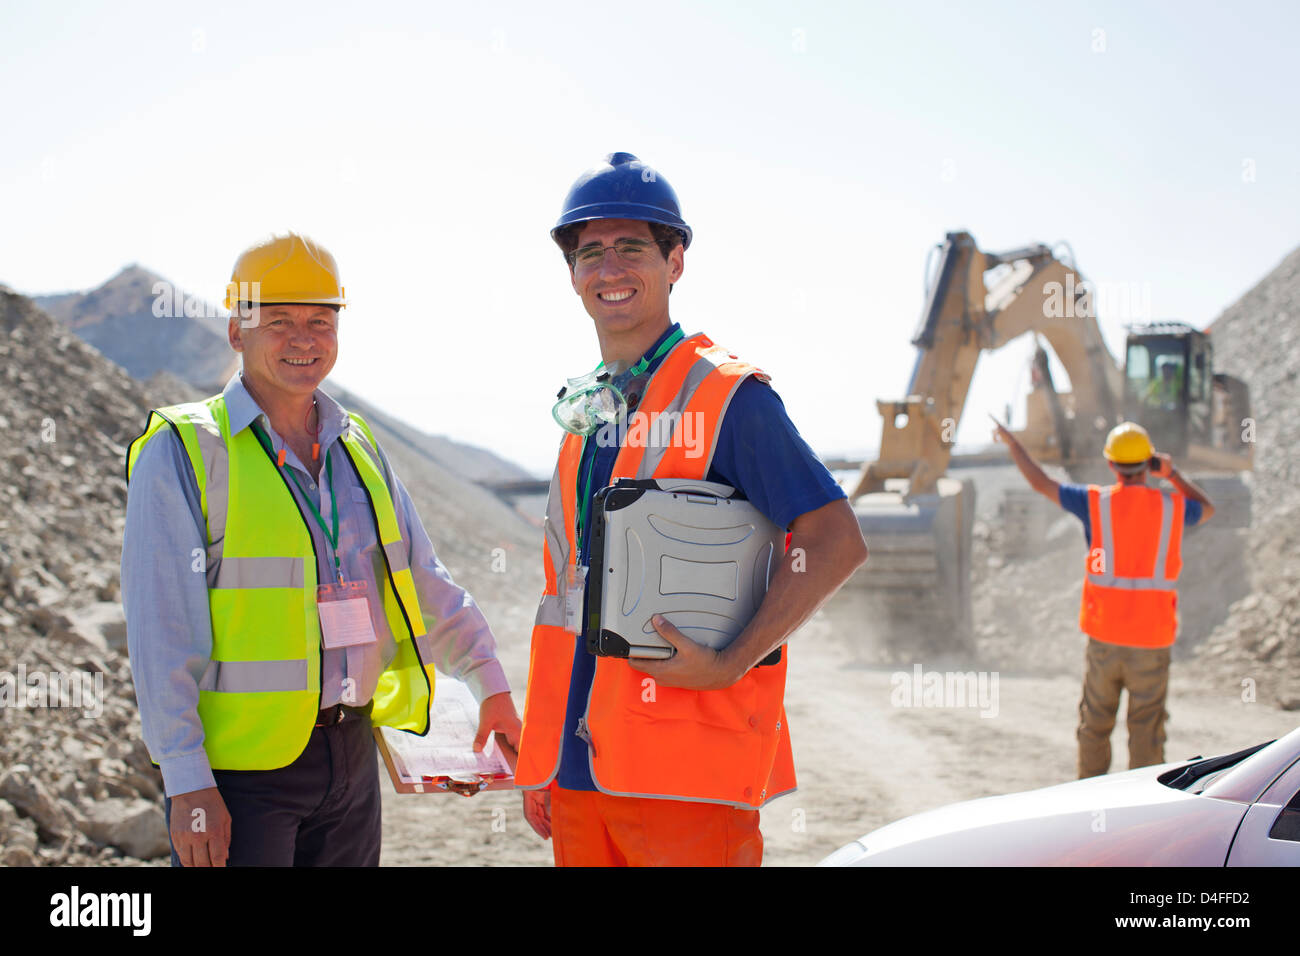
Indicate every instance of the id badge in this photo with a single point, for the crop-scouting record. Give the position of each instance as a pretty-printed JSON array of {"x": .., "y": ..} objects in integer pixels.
[
  {"x": 345, "y": 614},
  {"x": 574, "y": 585}
]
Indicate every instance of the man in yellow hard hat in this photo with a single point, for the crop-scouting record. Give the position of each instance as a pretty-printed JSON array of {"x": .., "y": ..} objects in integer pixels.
[
  {"x": 1130, "y": 606},
  {"x": 281, "y": 594}
]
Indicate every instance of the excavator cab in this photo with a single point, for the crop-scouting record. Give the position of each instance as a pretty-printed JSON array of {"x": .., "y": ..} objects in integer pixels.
[
  {"x": 1170, "y": 387},
  {"x": 1167, "y": 382}
]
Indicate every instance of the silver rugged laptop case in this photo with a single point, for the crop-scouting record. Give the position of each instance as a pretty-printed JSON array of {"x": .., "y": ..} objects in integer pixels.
[{"x": 694, "y": 551}]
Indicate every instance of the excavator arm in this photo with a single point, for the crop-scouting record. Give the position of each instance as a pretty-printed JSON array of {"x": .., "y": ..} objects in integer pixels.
[
  {"x": 916, "y": 520},
  {"x": 1037, "y": 293}
]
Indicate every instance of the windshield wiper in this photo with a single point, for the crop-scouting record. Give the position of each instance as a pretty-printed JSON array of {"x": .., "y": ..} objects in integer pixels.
[{"x": 1184, "y": 777}]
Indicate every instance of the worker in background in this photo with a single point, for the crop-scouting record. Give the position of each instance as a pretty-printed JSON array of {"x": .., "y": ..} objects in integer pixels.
[
  {"x": 289, "y": 598},
  {"x": 1130, "y": 607},
  {"x": 665, "y": 762}
]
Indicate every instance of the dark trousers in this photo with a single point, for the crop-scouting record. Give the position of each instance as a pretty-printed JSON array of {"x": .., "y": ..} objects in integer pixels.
[{"x": 321, "y": 810}]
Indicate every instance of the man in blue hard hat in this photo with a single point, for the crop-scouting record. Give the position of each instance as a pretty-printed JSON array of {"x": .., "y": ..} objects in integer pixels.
[{"x": 637, "y": 762}]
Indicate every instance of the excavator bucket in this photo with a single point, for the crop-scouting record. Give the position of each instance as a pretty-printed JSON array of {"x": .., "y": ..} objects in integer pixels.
[{"x": 913, "y": 594}]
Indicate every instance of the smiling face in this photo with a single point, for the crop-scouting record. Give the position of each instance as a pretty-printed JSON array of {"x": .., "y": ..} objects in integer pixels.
[
  {"x": 628, "y": 300},
  {"x": 289, "y": 351}
]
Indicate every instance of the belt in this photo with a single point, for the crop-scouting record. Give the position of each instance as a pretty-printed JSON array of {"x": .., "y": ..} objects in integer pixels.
[{"x": 341, "y": 712}]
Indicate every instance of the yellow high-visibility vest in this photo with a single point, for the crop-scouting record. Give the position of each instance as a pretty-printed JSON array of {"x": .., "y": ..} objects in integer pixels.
[{"x": 260, "y": 695}]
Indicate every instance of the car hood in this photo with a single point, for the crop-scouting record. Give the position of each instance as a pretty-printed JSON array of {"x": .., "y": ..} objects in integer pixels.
[{"x": 1121, "y": 819}]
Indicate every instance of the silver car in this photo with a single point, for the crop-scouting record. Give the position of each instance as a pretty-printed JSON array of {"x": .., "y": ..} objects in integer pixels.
[{"x": 1242, "y": 809}]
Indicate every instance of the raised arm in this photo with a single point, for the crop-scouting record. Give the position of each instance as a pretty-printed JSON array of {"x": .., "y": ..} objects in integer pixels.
[
  {"x": 1185, "y": 485},
  {"x": 1038, "y": 479}
]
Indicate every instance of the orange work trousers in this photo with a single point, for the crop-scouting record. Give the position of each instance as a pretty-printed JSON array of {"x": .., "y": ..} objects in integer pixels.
[{"x": 589, "y": 828}]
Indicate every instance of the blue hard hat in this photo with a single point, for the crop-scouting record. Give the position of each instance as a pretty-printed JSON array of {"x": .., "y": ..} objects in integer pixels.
[{"x": 623, "y": 187}]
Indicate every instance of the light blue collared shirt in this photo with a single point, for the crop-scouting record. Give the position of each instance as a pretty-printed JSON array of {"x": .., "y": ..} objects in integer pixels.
[{"x": 165, "y": 591}]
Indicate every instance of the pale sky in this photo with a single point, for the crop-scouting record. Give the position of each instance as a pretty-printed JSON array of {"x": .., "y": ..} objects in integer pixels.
[{"x": 819, "y": 151}]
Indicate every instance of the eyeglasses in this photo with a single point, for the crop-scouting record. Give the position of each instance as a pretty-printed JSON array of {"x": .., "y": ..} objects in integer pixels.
[{"x": 629, "y": 250}]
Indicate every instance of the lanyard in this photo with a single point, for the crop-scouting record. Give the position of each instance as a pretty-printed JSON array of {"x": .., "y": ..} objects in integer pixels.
[
  {"x": 332, "y": 535},
  {"x": 669, "y": 342},
  {"x": 585, "y": 495}
]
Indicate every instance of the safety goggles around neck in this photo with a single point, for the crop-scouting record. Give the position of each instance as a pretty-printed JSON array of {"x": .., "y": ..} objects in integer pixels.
[{"x": 588, "y": 402}]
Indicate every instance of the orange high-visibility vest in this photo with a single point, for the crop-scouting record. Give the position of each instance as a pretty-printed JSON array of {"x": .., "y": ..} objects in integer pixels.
[
  {"x": 727, "y": 746},
  {"x": 1132, "y": 566}
]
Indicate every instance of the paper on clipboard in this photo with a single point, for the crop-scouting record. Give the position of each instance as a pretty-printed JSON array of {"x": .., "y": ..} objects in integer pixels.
[{"x": 447, "y": 750}]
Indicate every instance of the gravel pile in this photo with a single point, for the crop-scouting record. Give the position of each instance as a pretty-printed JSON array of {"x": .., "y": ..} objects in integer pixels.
[
  {"x": 76, "y": 785},
  {"x": 1258, "y": 339}
]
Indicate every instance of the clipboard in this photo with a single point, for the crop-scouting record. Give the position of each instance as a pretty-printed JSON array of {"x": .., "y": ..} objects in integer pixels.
[{"x": 443, "y": 761}]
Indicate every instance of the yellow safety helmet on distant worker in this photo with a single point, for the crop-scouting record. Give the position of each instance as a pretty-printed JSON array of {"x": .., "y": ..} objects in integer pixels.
[
  {"x": 285, "y": 270},
  {"x": 1128, "y": 444}
]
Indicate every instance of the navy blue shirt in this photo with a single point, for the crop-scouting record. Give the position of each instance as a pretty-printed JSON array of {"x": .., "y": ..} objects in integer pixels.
[
  {"x": 1074, "y": 499},
  {"x": 784, "y": 481}
]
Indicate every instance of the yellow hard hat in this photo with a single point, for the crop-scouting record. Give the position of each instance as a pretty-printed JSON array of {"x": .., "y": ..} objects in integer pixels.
[
  {"x": 1128, "y": 444},
  {"x": 285, "y": 269}
]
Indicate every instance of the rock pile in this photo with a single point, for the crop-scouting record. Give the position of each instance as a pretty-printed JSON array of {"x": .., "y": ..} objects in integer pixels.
[
  {"x": 76, "y": 785},
  {"x": 1258, "y": 339}
]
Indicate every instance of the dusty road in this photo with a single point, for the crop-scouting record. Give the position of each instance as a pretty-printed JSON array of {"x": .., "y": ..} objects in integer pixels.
[{"x": 862, "y": 760}]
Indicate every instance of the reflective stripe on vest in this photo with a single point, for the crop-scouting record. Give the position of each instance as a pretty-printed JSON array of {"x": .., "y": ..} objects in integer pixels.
[
  {"x": 737, "y": 737},
  {"x": 262, "y": 577},
  {"x": 682, "y": 385},
  {"x": 1129, "y": 595},
  {"x": 1159, "y": 579},
  {"x": 254, "y": 676}
]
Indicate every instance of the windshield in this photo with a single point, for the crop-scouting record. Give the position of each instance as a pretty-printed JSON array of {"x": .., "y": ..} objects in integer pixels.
[{"x": 1155, "y": 371}]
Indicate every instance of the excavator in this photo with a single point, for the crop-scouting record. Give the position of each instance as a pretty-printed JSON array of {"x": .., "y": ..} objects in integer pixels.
[{"x": 918, "y": 520}]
